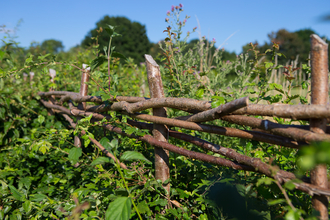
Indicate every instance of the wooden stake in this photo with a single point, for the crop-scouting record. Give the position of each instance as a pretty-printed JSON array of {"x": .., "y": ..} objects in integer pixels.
[
  {"x": 160, "y": 132},
  {"x": 25, "y": 76},
  {"x": 31, "y": 78},
  {"x": 319, "y": 95},
  {"x": 83, "y": 92}
]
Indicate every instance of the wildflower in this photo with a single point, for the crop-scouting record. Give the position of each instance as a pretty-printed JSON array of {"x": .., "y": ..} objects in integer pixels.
[
  {"x": 172, "y": 8},
  {"x": 213, "y": 40},
  {"x": 180, "y": 23},
  {"x": 168, "y": 13},
  {"x": 185, "y": 20},
  {"x": 228, "y": 62},
  {"x": 181, "y": 6},
  {"x": 176, "y": 7},
  {"x": 194, "y": 28},
  {"x": 166, "y": 19}
]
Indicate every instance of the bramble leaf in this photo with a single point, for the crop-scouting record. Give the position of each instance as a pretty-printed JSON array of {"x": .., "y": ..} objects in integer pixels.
[
  {"x": 100, "y": 160},
  {"x": 133, "y": 155},
  {"x": 119, "y": 209},
  {"x": 74, "y": 154},
  {"x": 17, "y": 195},
  {"x": 118, "y": 55},
  {"x": 98, "y": 61}
]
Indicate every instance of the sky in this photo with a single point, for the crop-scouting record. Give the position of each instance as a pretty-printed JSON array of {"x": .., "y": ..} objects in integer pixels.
[{"x": 231, "y": 23}]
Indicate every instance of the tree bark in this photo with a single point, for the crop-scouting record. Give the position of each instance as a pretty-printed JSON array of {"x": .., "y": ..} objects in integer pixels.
[
  {"x": 83, "y": 92},
  {"x": 160, "y": 132},
  {"x": 319, "y": 96}
]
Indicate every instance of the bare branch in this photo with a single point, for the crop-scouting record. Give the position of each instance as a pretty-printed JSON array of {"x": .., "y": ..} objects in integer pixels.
[
  {"x": 286, "y": 111},
  {"x": 279, "y": 129},
  {"x": 218, "y": 112}
]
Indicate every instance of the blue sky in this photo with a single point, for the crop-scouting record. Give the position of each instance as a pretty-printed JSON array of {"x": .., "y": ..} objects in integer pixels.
[{"x": 242, "y": 21}]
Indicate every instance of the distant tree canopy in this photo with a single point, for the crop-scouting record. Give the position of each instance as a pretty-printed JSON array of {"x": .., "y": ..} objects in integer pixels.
[
  {"x": 291, "y": 44},
  {"x": 133, "y": 43},
  {"x": 52, "y": 46}
]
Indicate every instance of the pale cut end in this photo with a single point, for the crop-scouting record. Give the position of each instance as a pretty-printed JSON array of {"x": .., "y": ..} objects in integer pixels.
[
  {"x": 31, "y": 73},
  {"x": 320, "y": 40},
  {"x": 52, "y": 73},
  {"x": 86, "y": 67},
  {"x": 150, "y": 60},
  {"x": 25, "y": 74}
]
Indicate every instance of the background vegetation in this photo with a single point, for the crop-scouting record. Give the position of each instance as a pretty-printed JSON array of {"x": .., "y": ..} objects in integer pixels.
[{"x": 37, "y": 154}]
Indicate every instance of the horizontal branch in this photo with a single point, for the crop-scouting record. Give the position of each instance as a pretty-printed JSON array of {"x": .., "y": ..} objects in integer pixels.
[
  {"x": 282, "y": 176},
  {"x": 191, "y": 105},
  {"x": 286, "y": 111},
  {"x": 231, "y": 132},
  {"x": 184, "y": 104},
  {"x": 279, "y": 129},
  {"x": 76, "y": 97},
  {"x": 217, "y": 112}
]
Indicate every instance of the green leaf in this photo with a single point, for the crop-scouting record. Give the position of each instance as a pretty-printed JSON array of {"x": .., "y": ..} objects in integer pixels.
[
  {"x": 276, "y": 201},
  {"x": 37, "y": 197},
  {"x": 114, "y": 143},
  {"x": 105, "y": 49},
  {"x": 106, "y": 143},
  {"x": 115, "y": 34},
  {"x": 118, "y": 55},
  {"x": 17, "y": 195},
  {"x": 87, "y": 119},
  {"x": 98, "y": 61},
  {"x": 29, "y": 59},
  {"x": 27, "y": 206},
  {"x": 304, "y": 84},
  {"x": 120, "y": 209},
  {"x": 74, "y": 154},
  {"x": 43, "y": 146},
  {"x": 133, "y": 155},
  {"x": 275, "y": 86},
  {"x": 292, "y": 215},
  {"x": 268, "y": 51},
  {"x": 110, "y": 29},
  {"x": 7, "y": 126},
  {"x": 218, "y": 101},
  {"x": 200, "y": 93},
  {"x": 2, "y": 54},
  {"x": 268, "y": 64},
  {"x": 41, "y": 119},
  {"x": 289, "y": 185},
  {"x": 143, "y": 207},
  {"x": 41, "y": 58},
  {"x": 100, "y": 160}
]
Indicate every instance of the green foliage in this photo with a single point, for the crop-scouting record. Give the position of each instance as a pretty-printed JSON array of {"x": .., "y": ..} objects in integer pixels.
[
  {"x": 292, "y": 44},
  {"x": 52, "y": 46},
  {"x": 38, "y": 178},
  {"x": 133, "y": 41}
]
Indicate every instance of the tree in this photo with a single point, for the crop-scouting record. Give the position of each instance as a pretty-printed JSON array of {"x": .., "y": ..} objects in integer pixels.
[
  {"x": 133, "y": 43},
  {"x": 52, "y": 46},
  {"x": 291, "y": 44}
]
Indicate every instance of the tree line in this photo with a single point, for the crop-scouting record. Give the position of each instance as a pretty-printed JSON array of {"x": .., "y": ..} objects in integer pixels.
[{"x": 134, "y": 42}]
